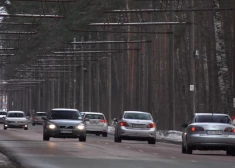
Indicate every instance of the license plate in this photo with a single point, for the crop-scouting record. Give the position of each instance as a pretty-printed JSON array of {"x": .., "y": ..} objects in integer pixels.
[
  {"x": 137, "y": 126},
  {"x": 66, "y": 131},
  {"x": 94, "y": 122},
  {"x": 214, "y": 132}
]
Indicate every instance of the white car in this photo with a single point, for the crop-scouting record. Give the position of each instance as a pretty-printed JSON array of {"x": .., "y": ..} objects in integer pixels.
[
  {"x": 37, "y": 118},
  {"x": 96, "y": 123},
  {"x": 16, "y": 119},
  {"x": 2, "y": 116}
]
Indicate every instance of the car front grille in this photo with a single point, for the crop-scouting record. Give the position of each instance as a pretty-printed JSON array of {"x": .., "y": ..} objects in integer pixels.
[{"x": 66, "y": 127}]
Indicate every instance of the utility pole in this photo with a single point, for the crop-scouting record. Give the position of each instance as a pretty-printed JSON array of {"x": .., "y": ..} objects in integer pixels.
[
  {"x": 234, "y": 61},
  {"x": 82, "y": 81},
  {"x": 192, "y": 59},
  {"x": 74, "y": 78},
  {"x": 89, "y": 79}
]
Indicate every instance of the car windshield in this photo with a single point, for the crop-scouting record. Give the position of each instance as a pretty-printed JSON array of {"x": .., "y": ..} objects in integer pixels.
[
  {"x": 3, "y": 113},
  {"x": 94, "y": 116},
  {"x": 68, "y": 115},
  {"x": 213, "y": 118},
  {"x": 137, "y": 116},
  {"x": 16, "y": 115},
  {"x": 41, "y": 114}
]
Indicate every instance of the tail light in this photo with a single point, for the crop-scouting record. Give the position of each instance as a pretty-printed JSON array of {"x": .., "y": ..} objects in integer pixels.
[
  {"x": 196, "y": 129},
  {"x": 35, "y": 118},
  {"x": 103, "y": 121},
  {"x": 229, "y": 129},
  {"x": 152, "y": 125},
  {"x": 125, "y": 124}
]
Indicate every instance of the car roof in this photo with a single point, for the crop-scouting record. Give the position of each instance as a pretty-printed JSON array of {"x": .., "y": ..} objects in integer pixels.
[
  {"x": 41, "y": 112},
  {"x": 15, "y": 112},
  {"x": 93, "y": 113},
  {"x": 65, "y": 109},
  {"x": 210, "y": 114},
  {"x": 136, "y": 112}
]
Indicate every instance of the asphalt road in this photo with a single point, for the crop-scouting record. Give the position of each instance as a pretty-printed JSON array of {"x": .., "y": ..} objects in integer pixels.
[{"x": 99, "y": 152}]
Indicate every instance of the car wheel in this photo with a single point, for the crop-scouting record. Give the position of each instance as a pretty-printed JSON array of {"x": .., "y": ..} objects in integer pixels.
[
  {"x": 152, "y": 141},
  {"x": 33, "y": 124},
  {"x": 82, "y": 139},
  {"x": 230, "y": 152},
  {"x": 104, "y": 134},
  {"x": 45, "y": 137},
  {"x": 183, "y": 148},
  {"x": 189, "y": 149},
  {"x": 5, "y": 128},
  {"x": 26, "y": 128}
]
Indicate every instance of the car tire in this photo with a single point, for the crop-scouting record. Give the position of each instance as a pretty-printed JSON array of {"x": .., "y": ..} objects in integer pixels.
[
  {"x": 104, "y": 134},
  {"x": 117, "y": 138},
  {"x": 5, "y": 128},
  {"x": 230, "y": 152},
  {"x": 82, "y": 139},
  {"x": 183, "y": 148},
  {"x": 152, "y": 141},
  {"x": 26, "y": 128},
  {"x": 33, "y": 124},
  {"x": 189, "y": 149},
  {"x": 46, "y": 137}
]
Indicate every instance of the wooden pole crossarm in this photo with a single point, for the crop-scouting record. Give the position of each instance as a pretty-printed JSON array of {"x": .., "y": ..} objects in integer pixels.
[
  {"x": 108, "y": 42},
  {"x": 12, "y": 32},
  {"x": 45, "y": 0}
]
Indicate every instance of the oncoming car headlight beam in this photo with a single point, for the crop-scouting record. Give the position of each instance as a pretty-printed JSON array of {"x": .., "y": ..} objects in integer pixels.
[
  {"x": 52, "y": 126},
  {"x": 80, "y": 127}
]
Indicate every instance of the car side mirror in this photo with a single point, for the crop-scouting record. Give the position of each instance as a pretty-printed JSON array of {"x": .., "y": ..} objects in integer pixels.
[
  {"x": 115, "y": 120},
  {"x": 184, "y": 125},
  {"x": 86, "y": 119}
]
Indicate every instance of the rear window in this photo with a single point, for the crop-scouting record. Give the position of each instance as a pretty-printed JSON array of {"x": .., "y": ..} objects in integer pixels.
[
  {"x": 3, "y": 113},
  {"x": 94, "y": 116},
  {"x": 213, "y": 118},
  {"x": 41, "y": 114},
  {"x": 137, "y": 116}
]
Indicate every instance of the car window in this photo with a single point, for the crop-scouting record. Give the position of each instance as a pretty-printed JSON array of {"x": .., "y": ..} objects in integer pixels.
[
  {"x": 3, "y": 113},
  {"x": 213, "y": 118},
  {"x": 137, "y": 116},
  {"x": 69, "y": 115},
  {"x": 94, "y": 116},
  {"x": 41, "y": 114},
  {"x": 17, "y": 115}
]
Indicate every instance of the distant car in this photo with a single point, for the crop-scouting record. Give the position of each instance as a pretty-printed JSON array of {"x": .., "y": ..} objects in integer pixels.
[
  {"x": 15, "y": 119},
  {"x": 37, "y": 118},
  {"x": 135, "y": 125},
  {"x": 96, "y": 123},
  {"x": 2, "y": 116},
  {"x": 64, "y": 123},
  {"x": 208, "y": 131}
]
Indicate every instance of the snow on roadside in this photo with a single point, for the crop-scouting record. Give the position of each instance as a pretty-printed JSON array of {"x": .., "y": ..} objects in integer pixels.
[{"x": 170, "y": 135}]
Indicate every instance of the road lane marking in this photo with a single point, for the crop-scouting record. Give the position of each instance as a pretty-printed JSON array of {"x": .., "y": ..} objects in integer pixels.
[
  {"x": 193, "y": 161},
  {"x": 127, "y": 147},
  {"x": 155, "y": 153},
  {"x": 141, "y": 151},
  {"x": 173, "y": 157},
  {"x": 106, "y": 143}
]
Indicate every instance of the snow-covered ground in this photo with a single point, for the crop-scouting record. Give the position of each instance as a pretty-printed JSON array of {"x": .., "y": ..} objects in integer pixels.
[{"x": 168, "y": 135}]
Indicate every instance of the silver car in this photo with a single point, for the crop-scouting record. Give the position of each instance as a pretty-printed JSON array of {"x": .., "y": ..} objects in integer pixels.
[
  {"x": 2, "y": 116},
  {"x": 209, "y": 131},
  {"x": 15, "y": 119},
  {"x": 96, "y": 123},
  {"x": 64, "y": 123},
  {"x": 135, "y": 125},
  {"x": 37, "y": 118}
]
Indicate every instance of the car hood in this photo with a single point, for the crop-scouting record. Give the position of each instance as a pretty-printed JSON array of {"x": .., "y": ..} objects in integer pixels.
[
  {"x": 66, "y": 122},
  {"x": 16, "y": 119}
]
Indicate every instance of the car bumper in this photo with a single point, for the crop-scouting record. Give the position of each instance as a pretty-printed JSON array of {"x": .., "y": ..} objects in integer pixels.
[
  {"x": 211, "y": 141},
  {"x": 58, "y": 133},
  {"x": 97, "y": 130},
  {"x": 137, "y": 133},
  {"x": 16, "y": 125}
]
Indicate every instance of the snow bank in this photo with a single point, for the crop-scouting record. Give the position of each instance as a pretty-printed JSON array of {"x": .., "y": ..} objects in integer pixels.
[{"x": 169, "y": 135}]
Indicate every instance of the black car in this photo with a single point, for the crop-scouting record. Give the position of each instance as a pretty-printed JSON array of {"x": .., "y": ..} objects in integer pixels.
[{"x": 64, "y": 123}]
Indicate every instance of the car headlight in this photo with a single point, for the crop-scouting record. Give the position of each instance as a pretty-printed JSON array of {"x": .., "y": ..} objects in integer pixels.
[
  {"x": 52, "y": 126},
  {"x": 81, "y": 127}
]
